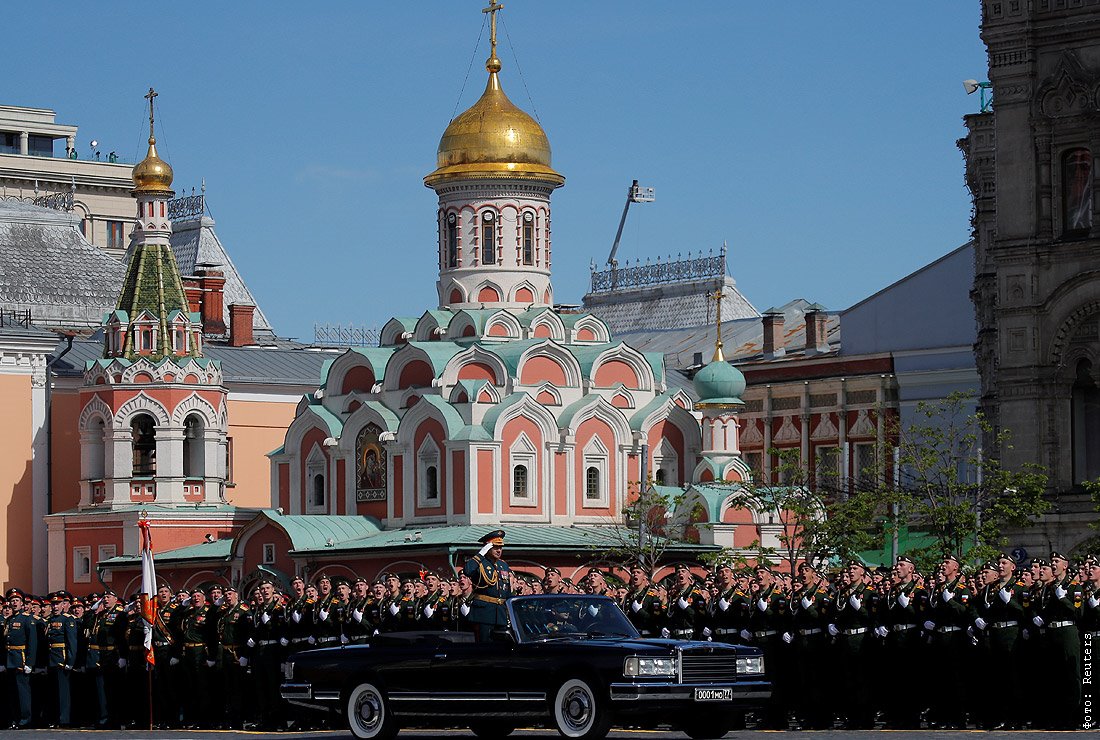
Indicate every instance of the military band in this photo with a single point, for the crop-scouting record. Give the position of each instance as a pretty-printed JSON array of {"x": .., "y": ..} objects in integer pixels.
[{"x": 999, "y": 648}]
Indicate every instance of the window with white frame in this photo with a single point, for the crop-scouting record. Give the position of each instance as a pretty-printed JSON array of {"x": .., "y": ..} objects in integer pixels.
[
  {"x": 427, "y": 460},
  {"x": 105, "y": 552},
  {"x": 666, "y": 464},
  {"x": 595, "y": 473},
  {"x": 82, "y": 564},
  {"x": 864, "y": 469},
  {"x": 826, "y": 466},
  {"x": 522, "y": 458},
  {"x": 316, "y": 481}
]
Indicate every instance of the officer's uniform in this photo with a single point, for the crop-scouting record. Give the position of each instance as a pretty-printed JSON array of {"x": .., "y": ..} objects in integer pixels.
[
  {"x": 645, "y": 611},
  {"x": 61, "y": 639},
  {"x": 22, "y": 654},
  {"x": 853, "y": 620},
  {"x": 232, "y": 658},
  {"x": 1060, "y": 642},
  {"x": 106, "y": 640},
  {"x": 902, "y": 614},
  {"x": 300, "y": 624},
  {"x": 492, "y": 587},
  {"x": 198, "y": 631},
  {"x": 768, "y": 619},
  {"x": 166, "y": 654},
  {"x": 267, "y": 623},
  {"x": 1000, "y": 609},
  {"x": 950, "y": 615},
  {"x": 687, "y": 613},
  {"x": 809, "y": 610}
]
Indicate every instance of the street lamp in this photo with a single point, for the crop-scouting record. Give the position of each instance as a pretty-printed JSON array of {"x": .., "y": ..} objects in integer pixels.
[{"x": 972, "y": 86}]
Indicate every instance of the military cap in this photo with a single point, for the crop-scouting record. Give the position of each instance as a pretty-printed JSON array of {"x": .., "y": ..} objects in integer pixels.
[
  {"x": 266, "y": 582},
  {"x": 991, "y": 565},
  {"x": 495, "y": 538},
  {"x": 1040, "y": 562},
  {"x": 379, "y": 580},
  {"x": 408, "y": 578},
  {"x": 227, "y": 589},
  {"x": 15, "y": 593},
  {"x": 855, "y": 562},
  {"x": 550, "y": 570},
  {"x": 950, "y": 556},
  {"x": 197, "y": 590},
  {"x": 297, "y": 578},
  {"x": 390, "y": 574},
  {"x": 109, "y": 592},
  {"x": 682, "y": 566},
  {"x": 762, "y": 566},
  {"x": 904, "y": 559},
  {"x": 324, "y": 577},
  {"x": 724, "y": 565},
  {"x": 1055, "y": 555},
  {"x": 360, "y": 579},
  {"x": 1005, "y": 556}
]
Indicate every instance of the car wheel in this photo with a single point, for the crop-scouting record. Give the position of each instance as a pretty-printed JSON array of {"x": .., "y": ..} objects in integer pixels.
[
  {"x": 368, "y": 713},
  {"x": 707, "y": 729},
  {"x": 579, "y": 712},
  {"x": 492, "y": 729}
]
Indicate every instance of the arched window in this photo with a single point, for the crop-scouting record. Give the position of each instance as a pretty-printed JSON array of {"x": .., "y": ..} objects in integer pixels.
[
  {"x": 528, "y": 238},
  {"x": 194, "y": 447},
  {"x": 592, "y": 483},
  {"x": 370, "y": 465},
  {"x": 95, "y": 460},
  {"x": 317, "y": 491},
  {"x": 452, "y": 240},
  {"x": 519, "y": 481},
  {"x": 431, "y": 483},
  {"x": 1086, "y": 425},
  {"x": 488, "y": 238},
  {"x": 143, "y": 430},
  {"x": 1077, "y": 191},
  {"x": 660, "y": 477}
]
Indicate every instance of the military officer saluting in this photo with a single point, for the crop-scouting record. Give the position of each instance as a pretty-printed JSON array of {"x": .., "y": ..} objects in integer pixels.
[
  {"x": 22, "y": 652},
  {"x": 492, "y": 585}
]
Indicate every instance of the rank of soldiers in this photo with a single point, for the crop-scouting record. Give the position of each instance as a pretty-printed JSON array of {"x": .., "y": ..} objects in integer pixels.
[{"x": 998, "y": 648}]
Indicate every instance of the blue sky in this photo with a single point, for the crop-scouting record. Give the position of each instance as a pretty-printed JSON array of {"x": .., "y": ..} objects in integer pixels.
[{"x": 817, "y": 139}]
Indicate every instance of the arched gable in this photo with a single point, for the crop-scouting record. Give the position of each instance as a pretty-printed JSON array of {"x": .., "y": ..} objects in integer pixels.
[
  {"x": 488, "y": 292},
  {"x": 350, "y": 372},
  {"x": 94, "y": 409},
  {"x": 142, "y": 403},
  {"x": 502, "y": 324},
  {"x": 429, "y": 407},
  {"x": 540, "y": 371},
  {"x": 520, "y": 405},
  {"x": 474, "y": 363},
  {"x": 590, "y": 329},
  {"x": 593, "y": 406},
  {"x": 396, "y": 331},
  {"x": 371, "y": 412},
  {"x": 622, "y": 364},
  {"x": 432, "y": 326},
  {"x": 192, "y": 404},
  {"x": 455, "y": 293},
  {"x": 409, "y": 366}
]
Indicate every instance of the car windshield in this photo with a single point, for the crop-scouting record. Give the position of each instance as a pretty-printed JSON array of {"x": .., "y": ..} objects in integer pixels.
[{"x": 551, "y": 617}]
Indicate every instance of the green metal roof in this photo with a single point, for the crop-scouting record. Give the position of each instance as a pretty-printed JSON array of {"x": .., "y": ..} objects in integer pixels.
[
  {"x": 565, "y": 421},
  {"x": 392, "y": 420},
  {"x": 312, "y": 532},
  {"x": 216, "y": 550},
  {"x": 377, "y": 357},
  {"x": 452, "y": 420},
  {"x": 152, "y": 284},
  {"x": 439, "y": 353},
  {"x": 489, "y": 421},
  {"x": 510, "y": 352},
  {"x": 639, "y": 416},
  {"x": 333, "y": 422}
]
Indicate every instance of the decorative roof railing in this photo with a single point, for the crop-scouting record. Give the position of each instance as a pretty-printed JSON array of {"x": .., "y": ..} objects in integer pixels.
[
  {"x": 339, "y": 335},
  {"x": 188, "y": 206},
  {"x": 15, "y": 317},
  {"x": 682, "y": 269},
  {"x": 64, "y": 201}
]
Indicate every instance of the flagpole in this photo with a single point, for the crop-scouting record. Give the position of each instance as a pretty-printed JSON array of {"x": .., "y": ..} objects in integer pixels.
[{"x": 148, "y": 588}]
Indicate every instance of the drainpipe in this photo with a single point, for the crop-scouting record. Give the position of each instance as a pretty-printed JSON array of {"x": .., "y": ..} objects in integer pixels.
[{"x": 49, "y": 422}]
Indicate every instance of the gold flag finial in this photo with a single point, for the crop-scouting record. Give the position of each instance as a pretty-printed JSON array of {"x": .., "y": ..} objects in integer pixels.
[
  {"x": 493, "y": 63},
  {"x": 717, "y": 296},
  {"x": 149, "y": 96}
]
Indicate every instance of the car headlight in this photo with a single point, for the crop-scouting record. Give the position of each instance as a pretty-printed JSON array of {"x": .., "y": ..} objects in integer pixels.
[
  {"x": 751, "y": 664},
  {"x": 639, "y": 666},
  {"x": 288, "y": 671}
]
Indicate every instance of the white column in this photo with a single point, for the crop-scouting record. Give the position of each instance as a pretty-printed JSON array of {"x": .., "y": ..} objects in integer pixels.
[
  {"x": 24, "y": 142},
  {"x": 119, "y": 458},
  {"x": 169, "y": 478}
]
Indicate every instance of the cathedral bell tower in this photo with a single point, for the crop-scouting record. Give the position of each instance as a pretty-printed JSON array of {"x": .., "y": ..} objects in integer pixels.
[
  {"x": 494, "y": 182},
  {"x": 153, "y": 421},
  {"x": 720, "y": 386}
]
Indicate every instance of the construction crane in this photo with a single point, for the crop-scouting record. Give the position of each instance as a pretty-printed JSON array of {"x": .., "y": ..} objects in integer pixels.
[{"x": 636, "y": 194}]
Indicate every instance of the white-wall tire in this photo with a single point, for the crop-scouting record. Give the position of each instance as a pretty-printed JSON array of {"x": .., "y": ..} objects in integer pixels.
[
  {"x": 368, "y": 713},
  {"x": 579, "y": 712}
]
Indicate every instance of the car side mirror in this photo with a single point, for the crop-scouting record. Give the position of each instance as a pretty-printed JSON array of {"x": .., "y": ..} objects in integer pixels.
[{"x": 502, "y": 634}]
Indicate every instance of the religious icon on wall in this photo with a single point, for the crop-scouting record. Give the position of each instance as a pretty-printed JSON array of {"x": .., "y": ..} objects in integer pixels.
[{"x": 370, "y": 465}]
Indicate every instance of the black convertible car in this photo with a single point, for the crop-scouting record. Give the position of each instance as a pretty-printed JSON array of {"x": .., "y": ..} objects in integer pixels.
[{"x": 572, "y": 662}]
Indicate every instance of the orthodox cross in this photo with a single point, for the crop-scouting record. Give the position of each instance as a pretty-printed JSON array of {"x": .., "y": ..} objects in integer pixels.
[
  {"x": 149, "y": 96},
  {"x": 494, "y": 6},
  {"x": 717, "y": 296}
]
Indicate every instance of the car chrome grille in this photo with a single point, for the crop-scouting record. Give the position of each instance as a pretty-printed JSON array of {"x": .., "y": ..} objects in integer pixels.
[{"x": 708, "y": 667}]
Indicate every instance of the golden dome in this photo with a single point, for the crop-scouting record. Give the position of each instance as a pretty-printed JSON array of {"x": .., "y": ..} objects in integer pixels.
[
  {"x": 494, "y": 138},
  {"x": 152, "y": 174}
]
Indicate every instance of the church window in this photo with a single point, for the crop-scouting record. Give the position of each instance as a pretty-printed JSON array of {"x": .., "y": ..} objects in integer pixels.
[
  {"x": 666, "y": 463},
  {"x": 528, "y": 239},
  {"x": 522, "y": 456},
  {"x": 1077, "y": 191},
  {"x": 316, "y": 482},
  {"x": 431, "y": 483},
  {"x": 95, "y": 444},
  {"x": 1086, "y": 425},
  {"x": 179, "y": 339},
  {"x": 488, "y": 238},
  {"x": 427, "y": 459},
  {"x": 519, "y": 482},
  {"x": 864, "y": 470},
  {"x": 452, "y": 240},
  {"x": 194, "y": 447},
  {"x": 82, "y": 564},
  {"x": 592, "y": 483},
  {"x": 144, "y": 435},
  {"x": 114, "y": 235},
  {"x": 595, "y": 473},
  {"x": 370, "y": 465},
  {"x": 659, "y": 478}
]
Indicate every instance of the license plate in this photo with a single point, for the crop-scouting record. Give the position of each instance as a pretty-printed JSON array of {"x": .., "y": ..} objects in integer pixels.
[{"x": 725, "y": 694}]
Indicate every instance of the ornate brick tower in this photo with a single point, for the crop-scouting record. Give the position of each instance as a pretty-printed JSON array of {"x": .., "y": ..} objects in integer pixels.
[
  {"x": 1031, "y": 168},
  {"x": 494, "y": 181}
]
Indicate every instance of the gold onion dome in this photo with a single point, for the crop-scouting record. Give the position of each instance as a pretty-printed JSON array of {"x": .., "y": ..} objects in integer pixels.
[
  {"x": 494, "y": 138},
  {"x": 152, "y": 174}
]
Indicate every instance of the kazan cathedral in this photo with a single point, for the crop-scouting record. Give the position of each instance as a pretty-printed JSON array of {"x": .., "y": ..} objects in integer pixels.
[{"x": 494, "y": 409}]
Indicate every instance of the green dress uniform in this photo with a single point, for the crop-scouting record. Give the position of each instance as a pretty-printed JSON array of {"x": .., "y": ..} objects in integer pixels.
[
  {"x": 768, "y": 618},
  {"x": 326, "y": 622},
  {"x": 300, "y": 624},
  {"x": 61, "y": 638},
  {"x": 999, "y": 610},
  {"x": 106, "y": 640},
  {"x": 22, "y": 654},
  {"x": 198, "y": 631},
  {"x": 433, "y": 607},
  {"x": 855, "y": 610},
  {"x": 902, "y": 613},
  {"x": 1060, "y": 656},
  {"x": 233, "y": 629},
  {"x": 645, "y": 611},
  {"x": 267, "y": 624},
  {"x": 728, "y": 615},
  {"x": 492, "y": 588},
  {"x": 687, "y": 613},
  {"x": 810, "y": 608},
  {"x": 166, "y": 653},
  {"x": 949, "y": 617}
]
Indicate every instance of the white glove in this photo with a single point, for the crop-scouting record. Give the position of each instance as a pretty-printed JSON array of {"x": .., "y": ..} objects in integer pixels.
[
  {"x": 746, "y": 635},
  {"x": 1005, "y": 595},
  {"x": 1060, "y": 592},
  {"x": 250, "y": 643},
  {"x": 593, "y": 610},
  {"x": 1025, "y": 634},
  {"x": 973, "y": 637},
  {"x": 297, "y": 617},
  {"x": 121, "y": 663},
  {"x": 636, "y": 606},
  {"x": 487, "y": 548},
  {"x": 27, "y": 669},
  {"x": 357, "y": 615},
  {"x": 464, "y": 609},
  {"x": 1093, "y": 602},
  {"x": 980, "y": 623},
  {"x": 665, "y": 633},
  {"x": 948, "y": 595},
  {"x": 323, "y": 614},
  {"x": 265, "y": 617},
  {"x": 3, "y": 668},
  {"x": 344, "y": 640},
  {"x": 283, "y": 641},
  {"x": 707, "y": 633},
  {"x": 881, "y": 631},
  {"x": 210, "y": 664},
  {"x": 683, "y": 603},
  {"x": 833, "y": 630},
  {"x": 929, "y": 625},
  {"x": 855, "y": 602},
  {"x": 807, "y": 602},
  {"x": 723, "y": 604},
  {"x": 173, "y": 661},
  {"x": 311, "y": 640},
  {"x": 242, "y": 662},
  {"x": 761, "y": 605},
  {"x": 1038, "y": 621},
  {"x": 428, "y": 611},
  {"x": 788, "y": 638},
  {"x": 903, "y": 600}
]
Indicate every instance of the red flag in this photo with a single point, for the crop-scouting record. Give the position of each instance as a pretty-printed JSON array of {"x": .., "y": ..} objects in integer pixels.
[{"x": 148, "y": 587}]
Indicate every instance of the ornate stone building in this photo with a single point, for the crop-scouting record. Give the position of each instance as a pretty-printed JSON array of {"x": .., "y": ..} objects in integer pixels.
[{"x": 1031, "y": 169}]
